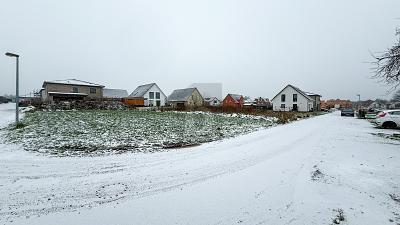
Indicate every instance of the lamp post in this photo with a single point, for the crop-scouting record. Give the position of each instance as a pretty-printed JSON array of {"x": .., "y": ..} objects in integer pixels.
[{"x": 17, "y": 87}]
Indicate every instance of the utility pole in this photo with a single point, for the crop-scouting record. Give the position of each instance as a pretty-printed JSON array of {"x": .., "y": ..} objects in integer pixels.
[{"x": 17, "y": 87}]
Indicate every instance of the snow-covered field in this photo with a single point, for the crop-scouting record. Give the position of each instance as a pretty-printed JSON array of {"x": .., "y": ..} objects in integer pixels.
[
  {"x": 104, "y": 132},
  {"x": 308, "y": 172}
]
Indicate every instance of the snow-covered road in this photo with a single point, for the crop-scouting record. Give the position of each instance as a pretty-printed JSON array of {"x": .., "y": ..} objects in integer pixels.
[{"x": 299, "y": 173}]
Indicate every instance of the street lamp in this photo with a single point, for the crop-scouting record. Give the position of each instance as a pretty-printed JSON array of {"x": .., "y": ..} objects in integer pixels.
[{"x": 17, "y": 87}]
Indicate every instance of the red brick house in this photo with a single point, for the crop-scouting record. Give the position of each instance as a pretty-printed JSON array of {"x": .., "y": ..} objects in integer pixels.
[
  {"x": 232, "y": 100},
  {"x": 336, "y": 103}
]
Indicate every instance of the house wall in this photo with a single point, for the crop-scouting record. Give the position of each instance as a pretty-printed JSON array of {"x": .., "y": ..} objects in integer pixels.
[
  {"x": 152, "y": 102},
  {"x": 316, "y": 103},
  {"x": 177, "y": 104},
  {"x": 195, "y": 100},
  {"x": 303, "y": 104},
  {"x": 68, "y": 88},
  {"x": 230, "y": 102},
  {"x": 214, "y": 102}
]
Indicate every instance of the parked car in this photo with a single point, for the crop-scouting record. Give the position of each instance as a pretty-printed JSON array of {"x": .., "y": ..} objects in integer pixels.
[
  {"x": 388, "y": 119},
  {"x": 372, "y": 114},
  {"x": 347, "y": 112}
]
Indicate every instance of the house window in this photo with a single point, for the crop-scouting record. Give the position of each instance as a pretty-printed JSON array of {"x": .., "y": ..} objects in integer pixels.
[
  {"x": 151, "y": 103},
  {"x": 75, "y": 90},
  {"x": 294, "y": 97},
  {"x": 295, "y": 107},
  {"x": 157, "y": 95},
  {"x": 282, "y": 106},
  {"x": 151, "y": 95},
  {"x": 92, "y": 90},
  {"x": 283, "y": 98}
]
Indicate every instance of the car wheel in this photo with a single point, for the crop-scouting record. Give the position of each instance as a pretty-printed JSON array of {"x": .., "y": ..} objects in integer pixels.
[{"x": 389, "y": 125}]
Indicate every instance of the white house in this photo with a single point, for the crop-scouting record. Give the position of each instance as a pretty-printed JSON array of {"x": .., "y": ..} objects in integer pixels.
[
  {"x": 292, "y": 98},
  {"x": 152, "y": 94},
  {"x": 212, "y": 101}
]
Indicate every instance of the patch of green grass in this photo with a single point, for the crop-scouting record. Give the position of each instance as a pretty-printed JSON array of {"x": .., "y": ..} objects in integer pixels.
[{"x": 19, "y": 125}]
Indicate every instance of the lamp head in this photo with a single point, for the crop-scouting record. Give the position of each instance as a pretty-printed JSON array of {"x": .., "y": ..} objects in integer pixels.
[{"x": 9, "y": 54}]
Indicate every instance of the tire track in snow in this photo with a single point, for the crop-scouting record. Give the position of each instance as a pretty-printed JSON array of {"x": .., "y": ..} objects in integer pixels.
[{"x": 173, "y": 170}]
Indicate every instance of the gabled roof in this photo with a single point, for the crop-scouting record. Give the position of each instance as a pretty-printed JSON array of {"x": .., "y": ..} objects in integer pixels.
[
  {"x": 312, "y": 94},
  {"x": 210, "y": 99},
  {"x": 66, "y": 93},
  {"x": 73, "y": 82},
  {"x": 114, "y": 93},
  {"x": 235, "y": 97},
  {"x": 141, "y": 90},
  {"x": 297, "y": 89},
  {"x": 181, "y": 95}
]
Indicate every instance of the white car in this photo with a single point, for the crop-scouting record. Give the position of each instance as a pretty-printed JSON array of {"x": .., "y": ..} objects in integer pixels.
[{"x": 388, "y": 119}]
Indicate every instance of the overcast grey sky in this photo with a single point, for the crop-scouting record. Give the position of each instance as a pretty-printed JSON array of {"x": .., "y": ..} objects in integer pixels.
[{"x": 253, "y": 47}]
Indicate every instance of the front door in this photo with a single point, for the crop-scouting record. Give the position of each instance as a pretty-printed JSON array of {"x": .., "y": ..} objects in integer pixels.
[{"x": 295, "y": 107}]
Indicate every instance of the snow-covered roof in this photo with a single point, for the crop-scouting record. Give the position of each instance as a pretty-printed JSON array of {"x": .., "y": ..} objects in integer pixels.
[
  {"x": 312, "y": 94},
  {"x": 114, "y": 93},
  {"x": 66, "y": 93},
  {"x": 181, "y": 95},
  {"x": 73, "y": 82},
  {"x": 235, "y": 97},
  {"x": 210, "y": 99}
]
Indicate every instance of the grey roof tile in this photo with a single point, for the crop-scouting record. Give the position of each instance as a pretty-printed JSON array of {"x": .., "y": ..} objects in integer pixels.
[{"x": 181, "y": 95}]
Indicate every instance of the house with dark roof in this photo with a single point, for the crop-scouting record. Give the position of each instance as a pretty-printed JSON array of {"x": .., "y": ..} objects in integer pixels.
[
  {"x": 262, "y": 103},
  {"x": 186, "y": 98},
  {"x": 114, "y": 93},
  {"x": 70, "y": 89},
  {"x": 150, "y": 93},
  {"x": 233, "y": 100},
  {"x": 292, "y": 98}
]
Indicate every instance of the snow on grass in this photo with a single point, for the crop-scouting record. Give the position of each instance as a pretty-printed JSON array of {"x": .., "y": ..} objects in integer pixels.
[
  {"x": 96, "y": 132},
  {"x": 323, "y": 170}
]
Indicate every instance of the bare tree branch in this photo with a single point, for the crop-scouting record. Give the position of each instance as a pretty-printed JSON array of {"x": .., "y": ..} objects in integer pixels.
[{"x": 387, "y": 65}]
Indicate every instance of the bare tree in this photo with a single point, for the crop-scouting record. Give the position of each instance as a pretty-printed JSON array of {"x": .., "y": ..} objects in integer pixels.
[{"x": 388, "y": 64}]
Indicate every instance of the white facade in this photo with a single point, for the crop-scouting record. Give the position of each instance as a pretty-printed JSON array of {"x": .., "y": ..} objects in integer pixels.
[
  {"x": 151, "y": 93},
  {"x": 213, "y": 101},
  {"x": 154, "y": 97},
  {"x": 292, "y": 99}
]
